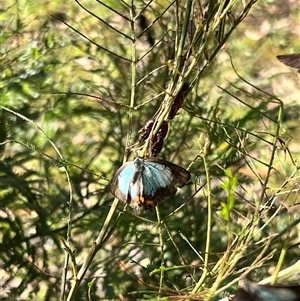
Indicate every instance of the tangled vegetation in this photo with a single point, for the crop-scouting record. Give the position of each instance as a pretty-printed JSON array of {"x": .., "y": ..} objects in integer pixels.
[{"x": 80, "y": 80}]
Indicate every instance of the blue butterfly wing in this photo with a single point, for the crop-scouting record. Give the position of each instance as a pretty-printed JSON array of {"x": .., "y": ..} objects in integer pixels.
[
  {"x": 253, "y": 291},
  {"x": 127, "y": 184},
  {"x": 157, "y": 180},
  {"x": 162, "y": 178},
  {"x": 121, "y": 182},
  {"x": 269, "y": 293},
  {"x": 144, "y": 182},
  {"x": 172, "y": 174}
]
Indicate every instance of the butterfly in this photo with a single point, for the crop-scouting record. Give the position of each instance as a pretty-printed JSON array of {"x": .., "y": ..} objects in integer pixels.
[
  {"x": 291, "y": 60},
  {"x": 146, "y": 181},
  {"x": 250, "y": 291}
]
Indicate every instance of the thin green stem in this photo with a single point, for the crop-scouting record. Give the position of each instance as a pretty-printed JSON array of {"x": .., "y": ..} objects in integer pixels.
[
  {"x": 270, "y": 168},
  {"x": 70, "y": 203},
  {"x": 102, "y": 236},
  {"x": 209, "y": 219},
  {"x": 162, "y": 254},
  {"x": 281, "y": 259},
  {"x": 133, "y": 76}
]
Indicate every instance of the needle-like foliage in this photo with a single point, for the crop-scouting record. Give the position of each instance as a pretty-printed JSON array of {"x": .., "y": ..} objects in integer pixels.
[{"x": 80, "y": 80}]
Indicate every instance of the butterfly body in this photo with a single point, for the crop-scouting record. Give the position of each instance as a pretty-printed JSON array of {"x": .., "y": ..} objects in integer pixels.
[{"x": 145, "y": 182}]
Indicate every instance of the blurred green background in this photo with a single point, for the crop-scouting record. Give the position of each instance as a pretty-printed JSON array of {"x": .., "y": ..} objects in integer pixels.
[{"x": 238, "y": 129}]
